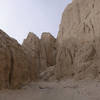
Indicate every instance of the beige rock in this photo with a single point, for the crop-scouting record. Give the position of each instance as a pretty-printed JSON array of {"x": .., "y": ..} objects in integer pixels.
[
  {"x": 79, "y": 35},
  {"x": 48, "y": 50},
  {"x": 31, "y": 46},
  {"x": 42, "y": 51},
  {"x": 48, "y": 74},
  {"x": 65, "y": 59},
  {"x": 86, "y": 62},
  {"x": 14, "y": 65}
]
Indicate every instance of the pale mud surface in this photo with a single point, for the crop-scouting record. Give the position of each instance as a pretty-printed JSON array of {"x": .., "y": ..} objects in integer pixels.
[{"x": 64, "y": 90}]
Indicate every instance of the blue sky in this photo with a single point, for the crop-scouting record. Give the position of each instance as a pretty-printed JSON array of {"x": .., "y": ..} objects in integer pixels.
[{"x": 19, "y": 17}]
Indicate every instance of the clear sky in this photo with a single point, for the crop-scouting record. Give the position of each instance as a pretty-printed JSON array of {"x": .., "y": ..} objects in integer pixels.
[{"x": 18, "y": 17}]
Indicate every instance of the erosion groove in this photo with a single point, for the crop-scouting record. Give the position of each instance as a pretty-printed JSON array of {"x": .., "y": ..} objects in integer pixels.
[{"x": 11, "y": 67}]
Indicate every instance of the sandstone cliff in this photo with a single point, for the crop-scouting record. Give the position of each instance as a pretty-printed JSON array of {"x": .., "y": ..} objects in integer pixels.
[
  {"x": 48, "y": 50},
  {"x": 31, "y": 46},
  {"x": 74, "y": 54},
  {"x": 42, "y": 51},
  {"x": 78, "y": 51},
  {"x": 14, "y": 63}
]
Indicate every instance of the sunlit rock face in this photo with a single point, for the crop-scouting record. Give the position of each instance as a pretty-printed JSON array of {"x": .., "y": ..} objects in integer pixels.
[
  {"x": 42, "y": 51},
  {"x": 78, "y": 41},
  {"x": 14, "y": 64}
]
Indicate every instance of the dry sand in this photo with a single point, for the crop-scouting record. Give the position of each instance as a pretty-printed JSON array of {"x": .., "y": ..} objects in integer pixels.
[{"x": 64, "y": 90}]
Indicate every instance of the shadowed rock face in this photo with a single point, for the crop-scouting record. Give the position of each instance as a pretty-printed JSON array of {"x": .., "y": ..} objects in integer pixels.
[
  {"x": 48, "y": 50},
  {"x": 14, "y": 63},
  {"x": 42, "y": 51},
  {"x": 78, "y": 41},
  {"x": 80, "y": 20},
  {"x": 21, "y": 64}
]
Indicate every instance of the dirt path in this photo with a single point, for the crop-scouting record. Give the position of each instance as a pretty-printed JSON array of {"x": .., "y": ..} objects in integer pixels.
[{"x": 66, "y": 90}]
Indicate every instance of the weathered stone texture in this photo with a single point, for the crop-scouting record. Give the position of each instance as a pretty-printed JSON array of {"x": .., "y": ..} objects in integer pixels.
[{"x": 78, "y": 40}]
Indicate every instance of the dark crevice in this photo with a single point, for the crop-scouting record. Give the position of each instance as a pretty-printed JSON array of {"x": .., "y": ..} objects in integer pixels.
[
  {"x": 86, "y": 28},
  {"x": 73, "y": 74},
  {"x": 92, "y": 28},
  {"x": 93, "y": 4},
  {"x": 92, "y": 54},
  {"x": 88, "y": 15},
  {"x": 80, "y": 71},
  {"x": 46, "y": 55},
  {"x": 65, "y": 52},
  {"x": 11, "y": 67},
  {"x": 70, "y": 56},
  {"x": 78, "y": 10}
]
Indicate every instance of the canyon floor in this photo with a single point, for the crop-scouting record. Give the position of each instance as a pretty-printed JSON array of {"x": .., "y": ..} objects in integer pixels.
[{"x": 64, "y": 90}]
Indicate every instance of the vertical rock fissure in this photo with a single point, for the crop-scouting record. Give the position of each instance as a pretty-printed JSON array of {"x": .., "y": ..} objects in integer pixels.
[
  {"x": 78, "y": 10},
  {"x": 93, "y": 4},
  {"x": 39, "y": 60},
  {"x": 70, "y": 55},
  {"x": 11, "y": 67},
  {"x": 46, "y": 56}
]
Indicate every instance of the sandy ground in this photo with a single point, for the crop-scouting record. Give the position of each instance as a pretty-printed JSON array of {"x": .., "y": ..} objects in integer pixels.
[{"x": 64, "y": 90}]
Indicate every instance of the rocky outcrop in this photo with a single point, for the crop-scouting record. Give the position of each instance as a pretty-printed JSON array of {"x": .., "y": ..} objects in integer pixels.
[
  {"x": 41, "y": 51},
  {"x": 14, "y": 65},
  {"x": 65, "y": 59},
  {"x": 48, "y": 74},
  {"x": 31, "y": 47},
  {"x": 74, "y": 54},
  {"x": 48, "y": 50},
  {"x": 78, "y": 41}
]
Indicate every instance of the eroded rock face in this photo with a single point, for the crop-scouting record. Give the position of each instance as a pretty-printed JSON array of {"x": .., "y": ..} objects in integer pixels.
[
  {"x": 48, "y": 74},
  {"x": 80, "y": 20},
  {"x": 48, "y": 50},
  {"x": 65, "y": 59},
  {"x": 31, "y": 47},
  {"x": 41, "y": 51},
  {"x": 14, "y": 65},
  {"x": 78, "y": 40}
]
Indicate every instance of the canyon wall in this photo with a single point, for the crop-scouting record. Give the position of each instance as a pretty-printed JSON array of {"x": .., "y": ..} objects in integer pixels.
[
  {"x": 78, "y": 41},
  {"x": 42, "y": 53},
  {"x": 14, "y": 64},
  {"x": 74, "y": 54},
  {"x": 21, "y": 64}
]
